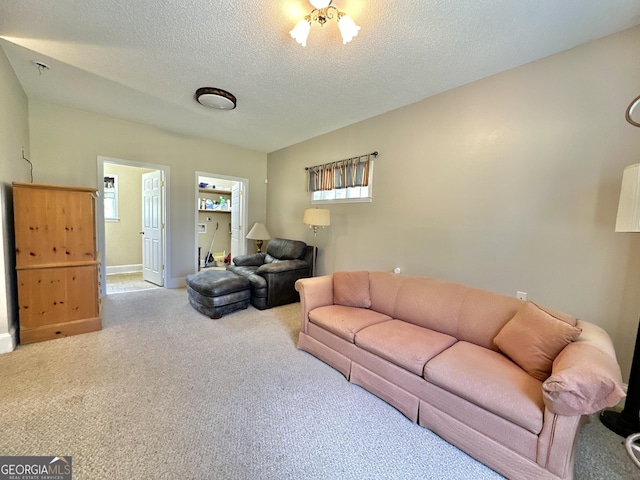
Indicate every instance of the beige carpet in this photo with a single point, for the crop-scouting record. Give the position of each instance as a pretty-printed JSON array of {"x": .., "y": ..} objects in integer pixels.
[{"x": 163, "y": 392}]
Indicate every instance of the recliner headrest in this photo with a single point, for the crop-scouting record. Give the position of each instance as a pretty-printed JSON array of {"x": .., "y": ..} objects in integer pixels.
[{"x": 284, "y": 249}]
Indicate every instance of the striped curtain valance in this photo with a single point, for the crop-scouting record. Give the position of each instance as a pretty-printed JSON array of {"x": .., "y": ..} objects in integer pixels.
[{"x": 351, "y": 172}]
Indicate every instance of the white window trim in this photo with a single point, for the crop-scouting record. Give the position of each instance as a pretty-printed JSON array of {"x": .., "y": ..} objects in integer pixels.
[
  {"x": 367, "y": 199},
  {"x": 115, "y": 192}
]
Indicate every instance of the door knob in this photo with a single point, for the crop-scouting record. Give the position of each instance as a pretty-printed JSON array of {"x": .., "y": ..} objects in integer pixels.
[{"x": 141, "y": 233}]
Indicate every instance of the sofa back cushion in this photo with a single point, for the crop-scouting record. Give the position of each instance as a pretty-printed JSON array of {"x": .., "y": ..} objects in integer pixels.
[
  {"x": 351, "y": 289},
  {"x": 430, "y": 303},
  {"x": 384, "y": 288},
  {"x": 283, "y": 249},
  {"x": 466, "y": 313},
  {"x": 483, "y": 314}
]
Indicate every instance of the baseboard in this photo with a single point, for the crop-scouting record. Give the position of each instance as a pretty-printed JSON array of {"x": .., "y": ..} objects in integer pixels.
[
  {"x": 123, "y": 269},
  {"x": 8, "y": 341}
]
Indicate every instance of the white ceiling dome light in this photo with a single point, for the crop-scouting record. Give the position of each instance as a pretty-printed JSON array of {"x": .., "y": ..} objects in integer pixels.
[{"x": 215, "y": 98}]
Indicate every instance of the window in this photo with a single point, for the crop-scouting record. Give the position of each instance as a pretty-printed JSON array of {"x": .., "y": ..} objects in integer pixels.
[
  {"x": 346, "y": 181},
  {"x": 111, "y": 197}
]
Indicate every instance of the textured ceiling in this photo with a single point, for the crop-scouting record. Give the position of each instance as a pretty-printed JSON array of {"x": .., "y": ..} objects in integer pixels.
[{"x": 143, "y": 60}]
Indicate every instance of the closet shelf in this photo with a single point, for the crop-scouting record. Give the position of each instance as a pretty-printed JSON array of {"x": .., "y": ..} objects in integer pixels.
[{"x": 211, "y": 190}]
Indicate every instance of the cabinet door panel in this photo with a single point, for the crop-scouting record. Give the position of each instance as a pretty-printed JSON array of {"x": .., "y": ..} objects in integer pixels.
[
  {"x": 55, "y": 295},
  {"x": 53, "y": 226}
]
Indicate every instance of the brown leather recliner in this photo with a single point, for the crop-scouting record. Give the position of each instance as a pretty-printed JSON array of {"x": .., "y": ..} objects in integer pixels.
[{"x": 273, "y": 274}]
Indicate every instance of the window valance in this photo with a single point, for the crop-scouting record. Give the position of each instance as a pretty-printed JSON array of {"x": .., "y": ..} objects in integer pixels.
[{"x": 351, "y": 172}]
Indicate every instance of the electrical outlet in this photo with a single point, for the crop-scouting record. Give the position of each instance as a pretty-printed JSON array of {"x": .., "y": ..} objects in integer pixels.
[{"x": 521, "y": 295}]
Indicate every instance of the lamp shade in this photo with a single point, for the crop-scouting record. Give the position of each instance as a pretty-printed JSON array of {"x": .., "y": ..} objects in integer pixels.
[
  {"x": 320, "y": 3},
  {"x": 316, "y": 216},
  {"x": 628, "y": 219},
  {"x": 301, "y": 31},
  {"x": 258, "y": 232},
  {"x": 348, "y": 28}
]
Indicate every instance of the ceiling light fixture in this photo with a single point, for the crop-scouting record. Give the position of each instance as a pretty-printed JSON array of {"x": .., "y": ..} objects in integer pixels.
[
  {"x": 215, "y": 98},
  {"x": 323, "y": 11}
]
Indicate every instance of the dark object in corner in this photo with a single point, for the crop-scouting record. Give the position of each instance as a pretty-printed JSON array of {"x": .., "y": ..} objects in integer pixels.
[{"x": 627, "y": 422}]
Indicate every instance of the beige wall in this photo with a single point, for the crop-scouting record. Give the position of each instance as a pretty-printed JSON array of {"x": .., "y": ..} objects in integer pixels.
[
  {"x": 510, "y": 183},
  {"x": 14, "y": 136},
  {"x": 123, "y": 242},
  {"x": 66, "y": 142}
]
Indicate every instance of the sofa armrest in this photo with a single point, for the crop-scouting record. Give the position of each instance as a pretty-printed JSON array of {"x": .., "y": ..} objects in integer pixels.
[
  {"x": 585, "y": 377},
  {"x": 282, "y": 266},
  {"x": 251, "y": 260},
  {"x": 314, "y": 292},
  {"x": 281, "y": 278}
]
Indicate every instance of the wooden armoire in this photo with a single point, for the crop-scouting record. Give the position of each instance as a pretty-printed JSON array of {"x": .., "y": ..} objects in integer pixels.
[{"x": 56, "y": 261}]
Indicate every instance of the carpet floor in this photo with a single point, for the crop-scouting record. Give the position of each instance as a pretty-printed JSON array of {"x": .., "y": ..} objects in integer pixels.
[{"x": 163, "y": 392}]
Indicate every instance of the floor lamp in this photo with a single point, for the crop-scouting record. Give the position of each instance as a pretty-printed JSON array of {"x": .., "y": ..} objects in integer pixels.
[
  {"x": 627, "y": 422},
  {"x": 316, "y": 217}
]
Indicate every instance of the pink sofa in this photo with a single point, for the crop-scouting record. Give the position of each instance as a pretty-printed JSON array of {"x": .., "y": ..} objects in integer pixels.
[{"x": 506, "y": 381}]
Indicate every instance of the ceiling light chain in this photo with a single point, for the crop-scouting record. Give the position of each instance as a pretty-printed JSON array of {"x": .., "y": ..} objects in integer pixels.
[{"x": 323, "y": 11}]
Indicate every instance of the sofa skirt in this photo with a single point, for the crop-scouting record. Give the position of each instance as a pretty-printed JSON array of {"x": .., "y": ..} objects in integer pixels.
[{"x": 503, "y": 446}]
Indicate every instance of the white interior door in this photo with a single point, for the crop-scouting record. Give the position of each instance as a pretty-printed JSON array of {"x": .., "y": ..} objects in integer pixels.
[
  {"x": 152, "y": 228},
  {"x": 236, "y": 226}
]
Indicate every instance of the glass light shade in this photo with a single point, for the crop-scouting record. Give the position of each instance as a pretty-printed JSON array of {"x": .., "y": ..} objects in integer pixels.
[
  {"x": 258, "y": 232},
  {"x": 628, "y": 219},
  {"x": 319, "y": 217},
  {"x": 348, "y": 28},
  {"x": 301, "y": 31},
  {"x": 320, "y": 3}
]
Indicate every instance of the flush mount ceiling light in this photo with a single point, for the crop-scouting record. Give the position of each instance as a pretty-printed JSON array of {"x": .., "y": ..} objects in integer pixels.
[
  {"x": 215, "y": 98},
  {"x": 323, "y": 11}
]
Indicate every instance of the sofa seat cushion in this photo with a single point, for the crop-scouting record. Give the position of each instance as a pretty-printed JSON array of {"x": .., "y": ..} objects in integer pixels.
[
  {"x": 343, "y": 321},
  {"x": 491, "y": 381},
  {"x": 404, "y": 344}
]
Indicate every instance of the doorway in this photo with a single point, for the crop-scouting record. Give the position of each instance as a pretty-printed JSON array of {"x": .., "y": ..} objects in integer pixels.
[
  {"x": 134, "y": 195},
  {"x": 220, "y": 217}
]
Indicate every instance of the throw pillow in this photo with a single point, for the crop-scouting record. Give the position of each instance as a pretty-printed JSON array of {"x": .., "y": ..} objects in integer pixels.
[
  {"x": 351, "y": 289},
  {"x": 533, "y": 338}
]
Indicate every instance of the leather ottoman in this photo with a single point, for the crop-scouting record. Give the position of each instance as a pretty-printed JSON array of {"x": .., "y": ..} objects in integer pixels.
[{"x": 218, "y": 292}]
